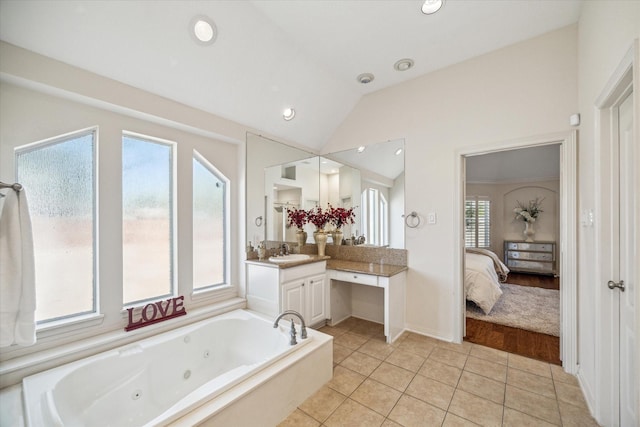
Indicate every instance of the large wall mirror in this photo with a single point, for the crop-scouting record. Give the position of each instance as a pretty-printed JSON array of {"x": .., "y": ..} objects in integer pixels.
[{"x": 370, "y": 180}]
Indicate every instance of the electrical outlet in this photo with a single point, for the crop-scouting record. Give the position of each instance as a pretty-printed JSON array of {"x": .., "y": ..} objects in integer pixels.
[{"x": 432, "y": 218}]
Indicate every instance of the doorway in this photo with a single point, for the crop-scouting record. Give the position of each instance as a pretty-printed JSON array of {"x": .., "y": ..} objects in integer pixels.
[{"x": 566, "y": 242}]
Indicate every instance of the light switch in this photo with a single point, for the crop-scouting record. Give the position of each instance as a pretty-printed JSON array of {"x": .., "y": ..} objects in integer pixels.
[{"x": 432, "y": 218}]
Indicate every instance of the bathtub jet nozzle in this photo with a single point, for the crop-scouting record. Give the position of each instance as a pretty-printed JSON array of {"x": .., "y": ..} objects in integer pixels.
[{"x": 303, "y": 328}]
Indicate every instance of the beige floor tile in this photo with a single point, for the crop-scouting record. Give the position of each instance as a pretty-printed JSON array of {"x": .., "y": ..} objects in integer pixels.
[
  {"x": 452, "y": 420},
  {"x": 441, "y": 372},
  {"x": 345, "y": 380},
  {"x": 361, "y": 363},
  {"x": 476, "y": 409},
  {"x": 322, "y": 403},
  {"x": 340, "y": 352},
  {"x": 390, "y": 423},
  {"x": 393, "y": 376},
  {"x": 431, "y": 391},
  {"x": 412, "y": 336},
  {"x": 571, "y": 394},
  {"x": 448, "y": 357},
  {"x": 513, "y": 418},
  {"x": 404, "y": 359},
  {"x": 378, "y": 349},
  {"x": 332, "y": 330},
  {"x": 574, "y": 416},
  {"x": 494, "y": 371},
  {"x": 532, "y": 404},
  {"x": 349, "y": 340},
  {"x": 464, "y": 347},
  {"x": 369, "y": 329},
  {"x": 482, "y": 387},
  {"x": 489, "y": 354},
  {"x": 531, "y": 382},
  {"x": 353, "y": 414},
  {"x": 530, "y": 365},
  {"x": 374, "y": 395},
  {"x": 410, "y": 412},
  {"x": 299, "y": 419},
  {"x": 421, "y": 348},
  {"x": 559, "y": 375}
]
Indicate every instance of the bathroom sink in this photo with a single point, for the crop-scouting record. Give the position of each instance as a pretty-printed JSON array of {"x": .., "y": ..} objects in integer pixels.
[{"x": 289, "y": 258}]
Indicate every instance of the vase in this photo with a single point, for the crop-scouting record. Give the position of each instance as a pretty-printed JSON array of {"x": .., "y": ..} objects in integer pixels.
[
  {"x": 301, "y": 238},
  {"x": 321, "y": 240},
  {"x": 337, "y": 237},
  {"x": 529, "y": 232}
]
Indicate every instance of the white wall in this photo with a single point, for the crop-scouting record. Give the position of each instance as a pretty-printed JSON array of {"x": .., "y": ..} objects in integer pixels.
[
  {"x": 523, "y": 90},
  {"x": 606, "y": 32},
  {"x": 504, "y": 197}
]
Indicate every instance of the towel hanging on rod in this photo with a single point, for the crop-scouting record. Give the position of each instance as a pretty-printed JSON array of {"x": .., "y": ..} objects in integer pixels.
[{"x": 15, "y": 187}]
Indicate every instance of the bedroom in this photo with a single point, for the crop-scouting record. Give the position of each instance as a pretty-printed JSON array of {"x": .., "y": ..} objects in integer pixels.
[{"x": 519, "y": 309}]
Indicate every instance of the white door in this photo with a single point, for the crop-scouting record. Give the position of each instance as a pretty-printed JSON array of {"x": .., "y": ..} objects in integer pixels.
[
  {"x": 316, "y": 298},
  {"x": 293, "y": 297},
  {"x": 628, "y": 276}
]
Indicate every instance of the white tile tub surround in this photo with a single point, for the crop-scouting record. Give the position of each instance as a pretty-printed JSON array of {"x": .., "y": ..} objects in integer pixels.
[{"x": 198, "y": 372}]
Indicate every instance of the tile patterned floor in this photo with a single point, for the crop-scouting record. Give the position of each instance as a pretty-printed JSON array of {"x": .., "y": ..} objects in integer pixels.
[{"x": 420, "y": 381}]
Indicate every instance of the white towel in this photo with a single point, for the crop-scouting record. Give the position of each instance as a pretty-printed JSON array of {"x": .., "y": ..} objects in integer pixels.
[{"x": 17, "y": 272}]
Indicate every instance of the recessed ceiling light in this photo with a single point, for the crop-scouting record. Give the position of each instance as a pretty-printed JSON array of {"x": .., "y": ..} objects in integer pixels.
[
  {"x": 403, "y": 64},
  {"x": 431, "y": 6},
  {"x": 361, "y": 149},
  {"x": 288, "y": 113},
  {"x": 203, "y": 30},
  {"x": 398, "y": 151},
  {"x": 365, "y": 78}
]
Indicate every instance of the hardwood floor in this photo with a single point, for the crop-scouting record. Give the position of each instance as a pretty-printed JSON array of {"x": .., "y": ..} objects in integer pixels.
[{"x": 514, "y": 340}]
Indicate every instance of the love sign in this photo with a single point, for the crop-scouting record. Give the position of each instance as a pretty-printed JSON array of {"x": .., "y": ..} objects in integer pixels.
[{"x": 155, "y": 312}]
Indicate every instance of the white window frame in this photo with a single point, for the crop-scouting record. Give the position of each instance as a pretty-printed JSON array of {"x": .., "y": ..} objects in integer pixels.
[{"x": 375, "y": 225}]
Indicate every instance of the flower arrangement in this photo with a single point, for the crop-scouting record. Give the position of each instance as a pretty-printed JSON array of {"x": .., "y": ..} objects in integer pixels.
[
  {"x": 531, "y": 212},
  {"x": 297, "y": 217},
  {"x": 341, "y": 216},
  {"x": 318, "y": 217}
]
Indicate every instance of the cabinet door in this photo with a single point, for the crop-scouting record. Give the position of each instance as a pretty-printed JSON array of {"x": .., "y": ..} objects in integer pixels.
[
  {"x": 316, "y": 299},
  {"x": 293, "y": 297}
]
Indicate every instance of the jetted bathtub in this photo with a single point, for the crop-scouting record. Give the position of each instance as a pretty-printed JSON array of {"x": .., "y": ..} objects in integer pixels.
[{"x": 160, "y": 379}]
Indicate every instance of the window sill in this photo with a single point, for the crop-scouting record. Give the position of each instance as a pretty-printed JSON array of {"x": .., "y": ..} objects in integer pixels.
[{"x": 57, "y": 327}]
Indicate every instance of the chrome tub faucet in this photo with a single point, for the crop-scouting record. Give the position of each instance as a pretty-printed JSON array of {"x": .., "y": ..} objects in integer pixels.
[{"x": 303, "y": 329}]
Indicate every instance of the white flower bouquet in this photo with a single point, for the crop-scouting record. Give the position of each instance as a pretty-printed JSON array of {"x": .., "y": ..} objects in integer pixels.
[{"x": 531, "y": 212}]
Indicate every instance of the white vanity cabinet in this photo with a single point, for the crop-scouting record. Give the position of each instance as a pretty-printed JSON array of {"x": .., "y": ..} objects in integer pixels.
[{"x": 272, "y": 290}]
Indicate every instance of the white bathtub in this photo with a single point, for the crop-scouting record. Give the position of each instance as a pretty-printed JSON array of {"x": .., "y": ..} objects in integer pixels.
[{"x": 164, "y": 378}]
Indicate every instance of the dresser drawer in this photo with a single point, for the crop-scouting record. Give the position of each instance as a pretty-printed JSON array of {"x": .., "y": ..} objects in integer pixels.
[
  {"x": 363, "y": 279},
  {"x": 531, "y": 265},
  {"x": 522, "y": 246},
  {"x": 534, "y": 256}
]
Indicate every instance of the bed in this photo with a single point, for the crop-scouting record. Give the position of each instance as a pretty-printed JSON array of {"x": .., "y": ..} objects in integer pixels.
[{"x": 483, "y": 273}]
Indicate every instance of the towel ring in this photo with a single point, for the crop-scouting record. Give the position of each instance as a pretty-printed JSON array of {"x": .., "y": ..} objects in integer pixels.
[
  {"x": 258, "y": 221},
  {"x": 415, "y": 222}
]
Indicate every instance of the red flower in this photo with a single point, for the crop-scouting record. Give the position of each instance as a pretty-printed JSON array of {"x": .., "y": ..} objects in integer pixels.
[
  {"x": 318, "y": 218},
  {"x": 297, "y": 217},
  {"x": 341, "y": 216}
]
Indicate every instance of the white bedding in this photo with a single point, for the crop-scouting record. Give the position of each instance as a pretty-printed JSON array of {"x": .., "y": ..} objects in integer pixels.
[{"x": 481, "y": 284}]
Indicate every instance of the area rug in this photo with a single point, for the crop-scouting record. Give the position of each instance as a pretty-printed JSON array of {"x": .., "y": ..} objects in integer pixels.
[{"x": 524, "y": 307}]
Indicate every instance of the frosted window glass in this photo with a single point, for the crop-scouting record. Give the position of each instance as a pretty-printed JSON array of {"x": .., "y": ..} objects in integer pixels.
[
  {"x": 209, "y": 215},
  {"x": 147, "y": 219},
  {"x": 58, "y": 178}
]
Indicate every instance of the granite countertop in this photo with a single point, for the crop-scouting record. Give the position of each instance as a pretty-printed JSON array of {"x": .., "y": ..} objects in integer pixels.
[
  {"x": 377, "y": 269},
  {"x": 267, "y": 263}
]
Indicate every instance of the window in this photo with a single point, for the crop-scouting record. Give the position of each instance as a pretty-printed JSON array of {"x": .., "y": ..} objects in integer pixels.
[
  {"x": 210, "y": 225},
  {"x": 375, "y": 217},
  {"x": 477, "y": 215},
  {"x": 147, "y": 218},
  {"x": 59, "y": 180}
]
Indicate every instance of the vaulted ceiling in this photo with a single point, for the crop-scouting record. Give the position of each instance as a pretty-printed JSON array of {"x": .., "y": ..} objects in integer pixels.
[{"x": 269, "y": 55}]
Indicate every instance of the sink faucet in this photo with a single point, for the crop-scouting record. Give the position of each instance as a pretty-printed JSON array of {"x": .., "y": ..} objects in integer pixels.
[
  {"x": 303, "y": 330},
  {"x": 284, "y": 249}
]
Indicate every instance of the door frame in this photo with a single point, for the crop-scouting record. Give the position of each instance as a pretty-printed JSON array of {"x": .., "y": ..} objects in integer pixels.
[
  {"x": 607, "y": 376},
  {"x": 567, "y": 245}
]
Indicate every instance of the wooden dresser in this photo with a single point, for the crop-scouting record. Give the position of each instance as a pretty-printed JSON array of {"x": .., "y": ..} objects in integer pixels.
[{"x": 536, "y": 257}]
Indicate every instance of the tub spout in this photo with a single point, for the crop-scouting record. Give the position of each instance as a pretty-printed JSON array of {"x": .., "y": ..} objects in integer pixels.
[{"x": 303, "y": 330}]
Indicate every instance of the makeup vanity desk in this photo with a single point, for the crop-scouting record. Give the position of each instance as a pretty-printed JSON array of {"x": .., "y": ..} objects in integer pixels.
[{"x": 370, "y": 291}]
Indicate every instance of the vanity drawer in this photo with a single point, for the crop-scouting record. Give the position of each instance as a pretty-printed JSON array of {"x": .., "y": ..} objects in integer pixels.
[
  {"x": 534, "y": 256},
  {"x": 360, "y": 278},
  {"x": 531, "y": 265}
]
